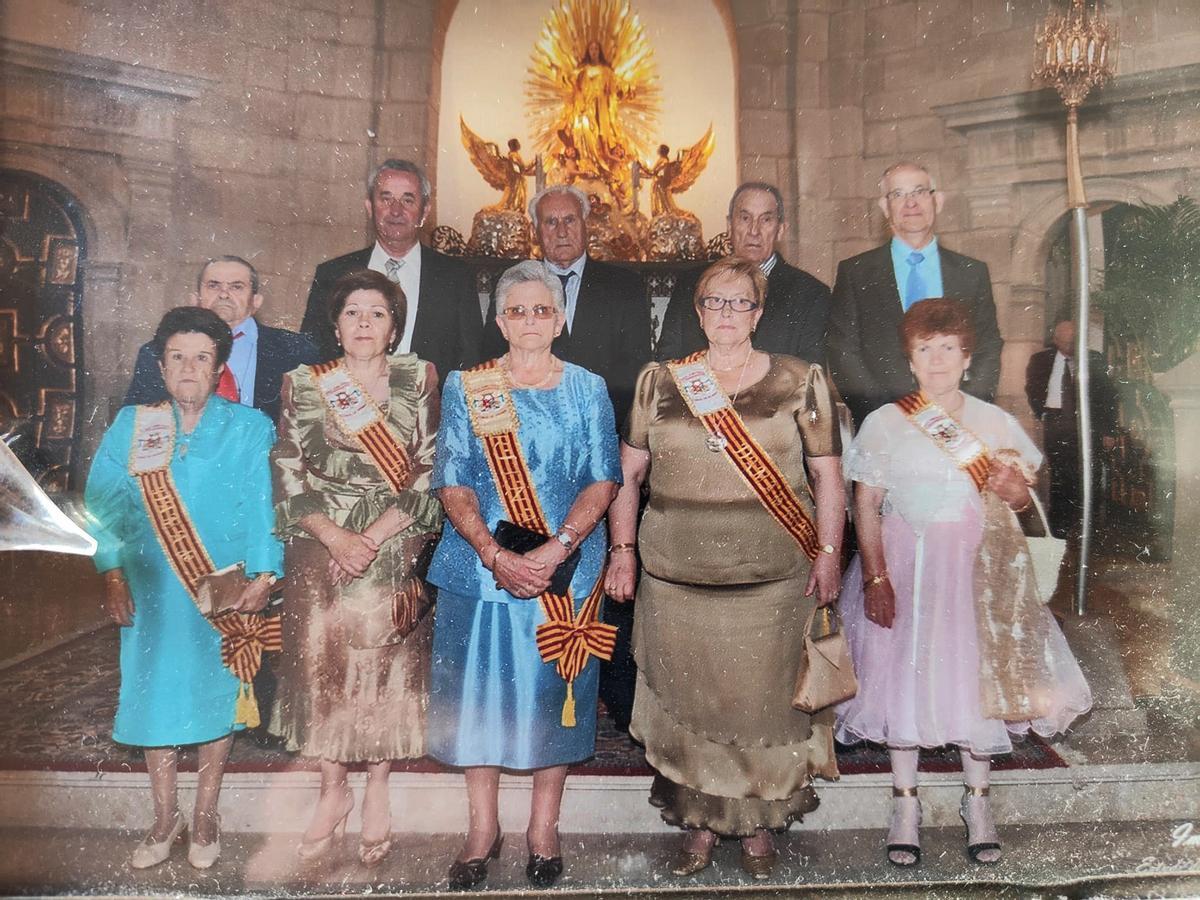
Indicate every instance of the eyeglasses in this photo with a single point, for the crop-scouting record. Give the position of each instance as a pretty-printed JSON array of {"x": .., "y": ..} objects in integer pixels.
[
  {"x": 515, "y": 313},
  {"x": 737, "y": 304},
  {"x": 917, "y": 193}
]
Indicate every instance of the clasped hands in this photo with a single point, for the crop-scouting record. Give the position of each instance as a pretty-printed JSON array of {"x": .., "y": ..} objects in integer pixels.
[
  {"x": 351, "y": 552},
  {"x": 525, "y": 575}
]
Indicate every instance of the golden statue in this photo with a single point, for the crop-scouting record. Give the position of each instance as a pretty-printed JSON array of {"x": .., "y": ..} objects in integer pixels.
[
  {"x": 592, "y": 93},
  {"x": 501, "y": 229},
  {"x": 674, "y": 176}
]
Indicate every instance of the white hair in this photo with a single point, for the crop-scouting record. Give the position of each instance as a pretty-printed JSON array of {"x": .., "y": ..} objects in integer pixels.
[
  {"x": 585, "y": 205},
  {"x": 905, "y": 164},
  {"x": 529, "y": 272}
]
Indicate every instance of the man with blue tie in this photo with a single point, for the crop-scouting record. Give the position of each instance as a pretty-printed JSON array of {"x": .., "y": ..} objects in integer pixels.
[
  {"x": 229, "y": 286},
  {"x": 874, "y": 289}
]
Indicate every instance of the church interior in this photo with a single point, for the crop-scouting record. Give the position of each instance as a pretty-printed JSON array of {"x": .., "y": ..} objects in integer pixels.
[{"x": 140, "y": 138}]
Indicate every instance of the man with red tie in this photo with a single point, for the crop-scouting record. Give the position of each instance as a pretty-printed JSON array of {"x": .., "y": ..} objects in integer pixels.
[{"x": 229, "y": 286}]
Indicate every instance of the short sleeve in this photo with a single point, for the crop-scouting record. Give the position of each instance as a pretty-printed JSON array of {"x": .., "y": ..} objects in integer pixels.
[
  {"x": 452, "y": 463},
  {"x": 868, "y": 459},
  {"x": 816, "y": 416},
  {"x": 637, "y": 425}
]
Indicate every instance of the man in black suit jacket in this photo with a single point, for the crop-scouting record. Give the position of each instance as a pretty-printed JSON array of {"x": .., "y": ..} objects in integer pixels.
[
  {"x": 229, "y": 286},
  {"x": 797, "y": 305},
  {"x": 444, "y": 325},
  {"x": 1050, "y": 387},
  {"x": 872, "y": 291},
  {"x": 608, "y": 315}
]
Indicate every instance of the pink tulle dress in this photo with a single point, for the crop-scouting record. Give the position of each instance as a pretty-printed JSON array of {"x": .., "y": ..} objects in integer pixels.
[{"x": 919, "y": 679}]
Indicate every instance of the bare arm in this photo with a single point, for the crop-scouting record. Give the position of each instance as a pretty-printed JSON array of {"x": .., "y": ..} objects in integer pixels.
[
  {"x": 830, "y": 493},
  {"x": 622, "y": 524},
  {"x": 879, "y": 598}
]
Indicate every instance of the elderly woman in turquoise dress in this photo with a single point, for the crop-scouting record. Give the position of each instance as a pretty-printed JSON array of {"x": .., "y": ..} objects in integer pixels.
[
  {"x": 207, "y": 459},
  {"x": 526, "y": 439}
]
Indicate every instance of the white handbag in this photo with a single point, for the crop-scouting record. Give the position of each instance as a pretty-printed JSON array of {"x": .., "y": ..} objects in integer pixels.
[{"x": 1047, "y": 553}]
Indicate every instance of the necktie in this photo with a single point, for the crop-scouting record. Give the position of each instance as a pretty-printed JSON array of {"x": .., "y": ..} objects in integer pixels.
[
  {"x": 565, "y": 278},
  {"x": 914, "y": 288},
  {"x": 393, "y": 267},
  {"x": 227, "y": 386},
  {"x": 1068, "y": 390}
]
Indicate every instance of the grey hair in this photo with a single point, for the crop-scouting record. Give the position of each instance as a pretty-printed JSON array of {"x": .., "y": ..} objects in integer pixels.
[
  {"x": 529, "y": 272},
  {"x": 401, "y": 165},
  {"x": 254, "y": 279},
  {"x": 905, "y": 164},
  {"x": 758, "y": 186},
  {"x": 585, "y": 205}
]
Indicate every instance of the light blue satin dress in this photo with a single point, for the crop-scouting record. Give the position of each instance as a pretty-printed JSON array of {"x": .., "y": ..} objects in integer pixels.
[
  {"x": 174, "y": 688},
  {"x": 493, "y": 702}
]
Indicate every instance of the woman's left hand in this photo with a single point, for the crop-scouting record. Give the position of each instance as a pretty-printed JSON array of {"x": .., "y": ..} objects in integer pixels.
[
  {"x": 825, "y": 578},
  {"x": 1008, "y": 483},
  {"x": 254, "y": 596}
]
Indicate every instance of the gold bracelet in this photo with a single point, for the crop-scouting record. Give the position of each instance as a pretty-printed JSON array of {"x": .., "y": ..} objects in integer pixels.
[
  {"x": 115, "y": 575},
  {"x": 878, "y": 579},
  {"x": 619, "y": 548},
  {"x": 495, "y": 556},
  {"x": 1025, "y": 508},
  {"x": 566, "y": 526}
]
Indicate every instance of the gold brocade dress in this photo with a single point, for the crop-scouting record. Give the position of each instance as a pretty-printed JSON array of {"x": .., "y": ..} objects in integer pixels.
[
  {"x": 338, "y": 701},
  {"x": 719, "y": 622}
]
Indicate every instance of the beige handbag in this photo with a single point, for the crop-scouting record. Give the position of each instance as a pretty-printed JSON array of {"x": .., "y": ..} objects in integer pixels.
[
  {"x": 1047, "y": 553},
  {"x": 826, "y": 673}
]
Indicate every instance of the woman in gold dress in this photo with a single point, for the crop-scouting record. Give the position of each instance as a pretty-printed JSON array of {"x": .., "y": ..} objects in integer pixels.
[
  {"x": 352, "y": 467},
  {"x": 727, "y": 586}
]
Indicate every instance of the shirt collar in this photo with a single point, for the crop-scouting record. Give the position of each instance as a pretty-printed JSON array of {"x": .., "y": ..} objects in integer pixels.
[
  {"x": 248, "y": 327},
  {"x": 575, "y": 267},
  {"x": 901, "y": 250},
  {"x": 769, "y": 263},
  {"x": 380, "y": 256}
]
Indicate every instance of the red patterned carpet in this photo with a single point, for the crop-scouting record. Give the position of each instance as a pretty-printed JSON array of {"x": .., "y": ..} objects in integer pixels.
[{"x": 56, "y": 713}]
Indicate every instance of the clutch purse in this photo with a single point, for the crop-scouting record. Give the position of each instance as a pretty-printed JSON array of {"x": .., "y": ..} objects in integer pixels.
[
  {"x": 373, "y": 620},
  {"x": 218, "y": 591},
  {"x": 518, "y": 539},
  {"x": 826, "y": 673}
]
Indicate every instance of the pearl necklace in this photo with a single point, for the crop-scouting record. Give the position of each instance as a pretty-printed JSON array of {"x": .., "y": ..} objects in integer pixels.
[{"x": 524, "y": 384}]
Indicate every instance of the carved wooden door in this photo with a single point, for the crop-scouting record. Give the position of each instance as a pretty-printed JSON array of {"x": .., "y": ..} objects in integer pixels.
[{"x": 41, "y": 256}]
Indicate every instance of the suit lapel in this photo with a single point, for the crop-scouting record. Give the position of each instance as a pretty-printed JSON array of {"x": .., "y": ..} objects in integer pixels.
[
  {"x": 428, "y": 308},
  {"x": 954, "y": 275},
  {"x": 264, "y": 352}
]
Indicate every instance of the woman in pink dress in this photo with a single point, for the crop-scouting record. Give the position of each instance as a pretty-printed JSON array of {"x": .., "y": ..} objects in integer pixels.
[{"x": 950, "y": 641}]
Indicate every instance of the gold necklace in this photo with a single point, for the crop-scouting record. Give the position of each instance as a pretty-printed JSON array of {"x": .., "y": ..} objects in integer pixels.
[
  {"x": 718, "y": 442},
  {"x": 525, "y": 384}
]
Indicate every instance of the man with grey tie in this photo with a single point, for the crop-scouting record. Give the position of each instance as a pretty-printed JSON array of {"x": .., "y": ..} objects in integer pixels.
[
  {"x": 874, "y": 289},
  {"x": 443, "y": 324},
  {"x": 608, "y": 313}
]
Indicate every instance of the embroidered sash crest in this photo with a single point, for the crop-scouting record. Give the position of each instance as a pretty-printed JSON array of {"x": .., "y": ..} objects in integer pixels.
[{"x": 361, "y": 418}]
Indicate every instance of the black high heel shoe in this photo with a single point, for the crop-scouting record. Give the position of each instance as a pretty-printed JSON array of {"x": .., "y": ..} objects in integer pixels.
[
  {"x": 912, "y": 849},
  {"x": 543, "y": 871},
  {"x": 974, "y": 850},
  {"x": 468, "y": 874}
]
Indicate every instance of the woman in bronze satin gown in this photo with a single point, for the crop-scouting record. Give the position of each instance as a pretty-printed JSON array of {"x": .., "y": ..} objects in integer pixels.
[
  {"x": 726, "y": 592},
  {"x": 354, "y": 506}
]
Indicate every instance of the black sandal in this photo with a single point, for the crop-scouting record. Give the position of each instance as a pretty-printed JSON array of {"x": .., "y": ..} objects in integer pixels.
[
  {"x": 913, "y": 849},
  {"x": 975, "y": 849}
]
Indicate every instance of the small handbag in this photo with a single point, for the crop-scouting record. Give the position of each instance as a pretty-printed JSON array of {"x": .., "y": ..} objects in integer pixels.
[
  {"x": 826, "y": 673},
  {"x": 1047, "y": 554}
]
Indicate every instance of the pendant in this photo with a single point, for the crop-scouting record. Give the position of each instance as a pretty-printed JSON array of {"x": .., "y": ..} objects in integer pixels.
[{"x": 716, "y": 442}]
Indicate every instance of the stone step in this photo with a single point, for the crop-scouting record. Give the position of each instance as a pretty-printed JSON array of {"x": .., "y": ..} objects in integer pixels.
[{"x": 280, "y": 802}]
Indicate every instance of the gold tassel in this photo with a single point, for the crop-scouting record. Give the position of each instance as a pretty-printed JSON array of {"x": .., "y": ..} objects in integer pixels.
[
  {"x": 568, "y": 710},
  {"x": 245, "y": 711}
]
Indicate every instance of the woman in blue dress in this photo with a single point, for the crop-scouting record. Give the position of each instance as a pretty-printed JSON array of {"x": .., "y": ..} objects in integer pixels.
[
  {"x": 529, "y": 439},
  {"x": 174, "y": 688}
]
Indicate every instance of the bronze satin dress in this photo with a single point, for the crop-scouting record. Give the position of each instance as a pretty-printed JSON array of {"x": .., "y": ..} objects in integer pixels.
[
  {"x": 338, "y": 701},
  {"x": 719, "y": 622}
]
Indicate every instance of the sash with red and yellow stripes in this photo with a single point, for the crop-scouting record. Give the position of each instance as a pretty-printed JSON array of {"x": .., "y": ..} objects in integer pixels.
[
  {"x": 566, "y": 638},
  {"x": 968, "y": 452},
  {"x": 699, "y": 388},
  {"x": 362, "y": 418},
  {"x": 244, "y": 636}
]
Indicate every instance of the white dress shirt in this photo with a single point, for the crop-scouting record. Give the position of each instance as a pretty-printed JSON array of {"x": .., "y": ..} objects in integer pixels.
[
  {"x": 572, "y": 291},
  {"x": 1054, "y": 387},
  {"x": 410, "y": 283}
]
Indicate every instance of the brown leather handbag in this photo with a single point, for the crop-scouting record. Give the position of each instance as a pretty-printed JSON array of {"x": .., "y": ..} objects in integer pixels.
[{"x": 826, "y": 673}]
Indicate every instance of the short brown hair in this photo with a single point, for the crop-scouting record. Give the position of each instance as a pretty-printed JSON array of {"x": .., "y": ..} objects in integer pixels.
[
  {"x": 368, "y": 280},
  {"x": 736, "y": 267},
  {"x": 939, "y": 315}
]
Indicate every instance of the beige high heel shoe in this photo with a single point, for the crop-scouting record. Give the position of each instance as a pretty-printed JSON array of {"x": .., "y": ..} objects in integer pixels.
[
  {"x": 310, "y": 850},
  {"x": 150, "y": 853},
  {"x": 202, "y": 856}
]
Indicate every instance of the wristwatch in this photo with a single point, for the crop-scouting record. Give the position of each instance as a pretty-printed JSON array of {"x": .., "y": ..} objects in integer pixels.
[
  {"x": 563, "y": 538},
  {"x": 269, "y": 577}
]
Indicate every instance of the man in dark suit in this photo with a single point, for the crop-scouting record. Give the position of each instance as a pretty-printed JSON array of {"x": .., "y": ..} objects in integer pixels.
[
  {"x": 229, "y": 286},
  {"x": 608, "y": 332},
  {"x": 1051, "y": 389},
  {"x": 797, "y": 305},
  {"x": 873, "y": 290},
  {"x": 608, "y": 314},
  {"x": 443, "y": 325}
]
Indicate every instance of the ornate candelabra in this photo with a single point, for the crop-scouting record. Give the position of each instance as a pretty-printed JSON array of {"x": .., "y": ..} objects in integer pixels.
[{"x": 1076, "y": 52}]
